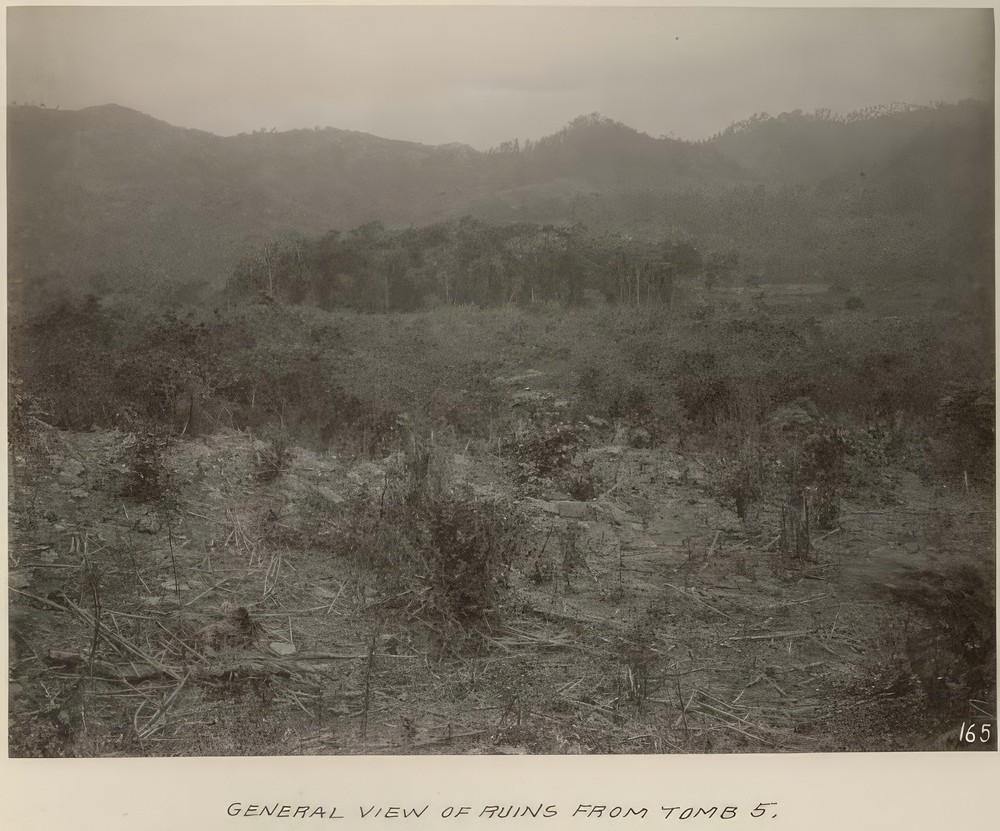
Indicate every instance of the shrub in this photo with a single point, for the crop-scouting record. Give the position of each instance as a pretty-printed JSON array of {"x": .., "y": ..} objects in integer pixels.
[
  {"x": 378, "y": 541},
  {"x": 63, "y": 356},
  {"x": 814, "y": 475},
  {"x": 271, "y": 459},
  {"x": 966, "y": 419},
  {"x": 584, "y": 483},
  {"x": 885, "y": 444},
  {"x": 426, "y": 470},
  {"x": 140, "y": 372},
  {"x": 701, "y": 391},
  {"x": 545, "y": 452},
  {"x": 637, "y": 655},
  {"x": 418, "y": 530},
  {"x": 742, "y": 478},
  {"x": 147, "y": 478},
  {"x": 824, "y": 468},
  {"x": 472, "y": 546}
]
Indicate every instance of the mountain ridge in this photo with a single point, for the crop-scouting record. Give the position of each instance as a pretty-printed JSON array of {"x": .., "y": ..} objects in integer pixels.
[{"x": 108, "y": 188}]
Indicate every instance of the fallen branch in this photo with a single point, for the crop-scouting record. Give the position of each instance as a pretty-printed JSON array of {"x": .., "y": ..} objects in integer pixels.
[
  {"x": 726, "y": 725},
  {"x": 41, "y": 600},
  {"x": 697, "y": 600},
  {"x": 771, "y": 543},
  {"x": 711, "y": 551},
  {"x": 119, "y": 642},
  {"x": 155, "y": 721},
  {"x": 208, "y": 591},
  {"x": 333, "y": 656},
  {"x": 769, "y": 636}
]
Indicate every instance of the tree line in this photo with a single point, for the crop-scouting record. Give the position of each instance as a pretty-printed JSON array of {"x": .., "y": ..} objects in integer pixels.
[{"x": 468, "y": 261}]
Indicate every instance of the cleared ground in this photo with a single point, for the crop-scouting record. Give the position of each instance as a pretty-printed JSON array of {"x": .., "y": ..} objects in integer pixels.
[{"x": 240, "y": 616}]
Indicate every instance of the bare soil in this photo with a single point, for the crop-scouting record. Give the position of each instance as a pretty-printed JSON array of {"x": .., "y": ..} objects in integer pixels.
[{"x": 647, "y": 620}]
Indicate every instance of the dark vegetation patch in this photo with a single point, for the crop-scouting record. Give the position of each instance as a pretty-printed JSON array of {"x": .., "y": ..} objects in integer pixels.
[{"x": 934, "y": 665}]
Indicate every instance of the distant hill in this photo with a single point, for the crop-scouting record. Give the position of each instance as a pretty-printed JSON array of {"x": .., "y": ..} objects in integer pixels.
[
  {"x": 106, "y": 188},
  {"x": 110, "y": 191}
]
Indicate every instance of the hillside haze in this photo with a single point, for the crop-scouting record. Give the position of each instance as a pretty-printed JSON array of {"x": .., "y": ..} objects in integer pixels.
[{"x": 893, "y": 194}]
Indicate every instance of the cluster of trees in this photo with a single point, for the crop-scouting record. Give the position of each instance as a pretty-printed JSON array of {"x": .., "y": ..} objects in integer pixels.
[
  {"x": 464, "y": 262},
  {"x": 593, "y": 129},
  {"x": 29, "y": 103},
  {"x": 822, "y": 115}
]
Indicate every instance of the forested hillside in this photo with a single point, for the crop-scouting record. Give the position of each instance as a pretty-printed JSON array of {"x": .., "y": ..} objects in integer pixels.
[{"x": 107, "y": 197}]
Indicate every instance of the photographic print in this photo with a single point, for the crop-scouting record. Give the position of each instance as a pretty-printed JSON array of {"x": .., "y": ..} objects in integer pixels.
[{"x": 481, "y": 381}]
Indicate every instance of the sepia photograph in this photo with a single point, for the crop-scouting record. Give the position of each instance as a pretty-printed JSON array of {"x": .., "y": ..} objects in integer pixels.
[{"x": 500, "y": 381}]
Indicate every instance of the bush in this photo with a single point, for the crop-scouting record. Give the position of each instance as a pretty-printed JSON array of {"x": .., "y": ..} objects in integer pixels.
[
  {"x": 424, "y": 470},
  {"x": 637, "y": 655},
  {"x": 380, "y": 540},
  {"x": 418, "y": 530},
  {"x": 546, "y": 452},
  {"x": 147, "y": 478},
  {"x": 824, "y": 468},
  {"x": 63, "y": 357},
  {"x": 583, "y": 484},
  {"x": 272, "y": 458},
  {"x": 703, "y": 397},
  {"x": 814, "y": 474},
  {"x": 94, "y": 367},
  {"x": 472, "y": 546},
  {"x": 966, "y": 420},
  {"x": 742, "y": 478}
]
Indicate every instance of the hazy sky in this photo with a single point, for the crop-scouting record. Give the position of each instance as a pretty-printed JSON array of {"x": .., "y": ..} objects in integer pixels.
[{"x": 485, "y": 75}]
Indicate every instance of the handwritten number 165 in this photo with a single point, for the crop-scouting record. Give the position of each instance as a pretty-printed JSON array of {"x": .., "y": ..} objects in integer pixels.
[{"x": 968, "y": 734}]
